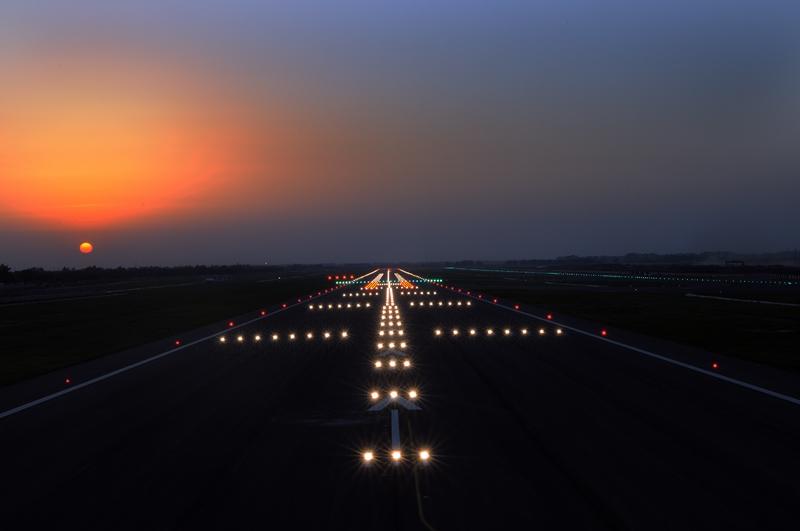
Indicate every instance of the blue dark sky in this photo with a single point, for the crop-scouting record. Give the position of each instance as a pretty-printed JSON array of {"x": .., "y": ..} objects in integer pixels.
[{"x": 171, "y": 132}]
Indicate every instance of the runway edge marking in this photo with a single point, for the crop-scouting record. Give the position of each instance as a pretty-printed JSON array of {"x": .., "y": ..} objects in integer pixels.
[
  {"x": 689, "y": 366},
  {"x": 96, "y": 379}
]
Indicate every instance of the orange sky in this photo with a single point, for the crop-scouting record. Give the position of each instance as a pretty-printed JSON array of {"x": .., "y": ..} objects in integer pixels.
[{"x": 95, "y": 143}]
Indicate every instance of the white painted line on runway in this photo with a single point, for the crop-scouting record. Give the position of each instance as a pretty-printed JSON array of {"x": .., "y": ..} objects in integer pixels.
[
  {"x": 689, "y": 366},
  {"x": 395, "y": 430},
  {"x": 126, "y": 368}
]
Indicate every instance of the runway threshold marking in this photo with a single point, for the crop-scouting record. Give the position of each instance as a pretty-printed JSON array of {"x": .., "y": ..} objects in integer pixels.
[
  {"x": 126, "y": 368},
  {"x": 661, "y": 357}
]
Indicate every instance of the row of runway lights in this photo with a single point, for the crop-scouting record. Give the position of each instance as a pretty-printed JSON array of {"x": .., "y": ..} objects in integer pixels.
[
  {"x": 257, "y": 338},
  {"x": 417, "y": 293},
  {"x": 359, "y": 294},
  {"x": 390, "y": 318},
  {"x": 431, "y": 304},
  {"x": 338, "y": 306},
  {"x": 438, "y": 332}
]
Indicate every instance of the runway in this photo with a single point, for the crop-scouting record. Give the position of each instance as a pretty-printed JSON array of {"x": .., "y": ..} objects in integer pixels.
[{"x": 527, "y": 424}]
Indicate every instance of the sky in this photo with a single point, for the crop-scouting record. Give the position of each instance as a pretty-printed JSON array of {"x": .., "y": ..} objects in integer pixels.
[{"x": 173, "y": 132}]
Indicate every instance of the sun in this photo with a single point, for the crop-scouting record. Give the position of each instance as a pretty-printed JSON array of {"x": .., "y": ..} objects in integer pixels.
[{"x": 86, "y": 247}]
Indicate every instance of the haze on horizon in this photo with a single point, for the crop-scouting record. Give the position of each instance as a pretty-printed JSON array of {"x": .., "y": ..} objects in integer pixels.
[{"x": 242, "y": 132}]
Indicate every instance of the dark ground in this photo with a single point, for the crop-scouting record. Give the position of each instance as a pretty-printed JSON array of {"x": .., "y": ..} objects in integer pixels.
[
  {"x": 762, "y": 333},
  {"x": 551, "y": 432},
  {"x": 47, "y": 328}
]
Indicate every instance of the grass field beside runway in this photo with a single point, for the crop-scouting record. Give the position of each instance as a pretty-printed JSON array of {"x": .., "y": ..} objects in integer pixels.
[
  {"x": 763, "y": 333},
  {"x": 43, "y": 336}
]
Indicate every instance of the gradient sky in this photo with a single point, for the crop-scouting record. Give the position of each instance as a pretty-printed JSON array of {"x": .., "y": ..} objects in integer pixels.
[{"x": 181, "y": 132}]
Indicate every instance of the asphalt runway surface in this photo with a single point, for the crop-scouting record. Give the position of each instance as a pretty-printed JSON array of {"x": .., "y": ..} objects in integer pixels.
[{"x": 526, "y": 430}]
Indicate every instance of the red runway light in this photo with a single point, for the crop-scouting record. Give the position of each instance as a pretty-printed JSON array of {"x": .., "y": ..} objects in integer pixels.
[
  {"x": 494, "y": 301},
  {"x": 516, "y": 306},
  {"x": 715, "y": 365},
  {"x": 329, "y": 277},
  {"x": 177, "y": 342},
  {"x": 67, "y": 381},
  {"x": 283, "y": 305},
  {"x": 263, "y": 313},
  {"x": 230, "y": 323},
  {"x": 549, "y": 315},
  {"x": 603, "y": 333}
]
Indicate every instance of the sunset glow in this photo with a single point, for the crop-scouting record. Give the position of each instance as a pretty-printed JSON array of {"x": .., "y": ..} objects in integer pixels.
[{"x": 110, "y": 147}]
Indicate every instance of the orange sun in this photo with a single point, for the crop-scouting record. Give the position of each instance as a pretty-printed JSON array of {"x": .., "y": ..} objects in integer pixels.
[{"x": 86, "y": 247}]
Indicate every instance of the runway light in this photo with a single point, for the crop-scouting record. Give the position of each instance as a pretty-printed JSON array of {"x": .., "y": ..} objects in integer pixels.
[
  {"x": 291, "y": 336},
  {"x": 380, "y": 332},
  {"x": 424, "y": 455},
  {"x": 472, "y": 331},
  {"x": 393, "y": 394},
  {"x": 67, "y": 381},
  {"x": 437, "y": 332},
  {"x": 274, "y": 337},
  {"x": 524, "y": 331},
  {"x": 715, "y": 365},
  {"x": 516, "y": 306},
  {"x": 257, "y": 338},
  {"x": 469, "y": 303},
  {"x": 402, "y": 344},
  {"x": 380, "y": 345},
  {"x": 222, "y": 339},
  {"x": 603, "y": 332},
  {"x": 392, "y": 363},
  {"x": 396, "y": 455},
  {"x": 549, "y": 316},
  {"x": 230, "y": 323},
  {"x": 374, "y": 395},
  {"x": 412, "y": 394},
  {"x": 263, "y": 313},
  {"x": 489, "y": 332},
  {"x": 406, "y": 363},
  {"x": 367, "y": 456},
  {"x": 541, "y": 331},
  {"x": 239, "y": 338},
  {"x": 455, "y": 331},
  {"x": 391, "y": 344},
  {"x": 507, "y": 332},
  {"x": 177, "y": 342},
  {"x": 309, "y": 336},
  {"x": 378, "y": 364},
  {"x": 326, "y": 335},
  {"x": 345, "y": 335},
  {"x": 559, "y": 331}
]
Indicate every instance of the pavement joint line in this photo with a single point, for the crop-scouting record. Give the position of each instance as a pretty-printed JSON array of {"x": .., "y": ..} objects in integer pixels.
[
  {"x": 126, "y": 368},
  {"x": 661, "y": 357}
]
